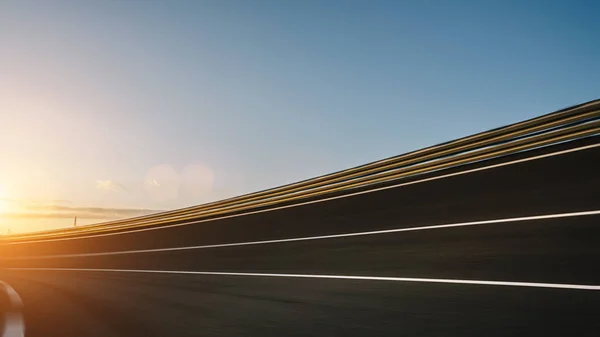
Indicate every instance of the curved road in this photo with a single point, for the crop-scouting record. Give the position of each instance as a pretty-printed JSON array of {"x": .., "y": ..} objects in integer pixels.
[{"x": 506, "y": 247}]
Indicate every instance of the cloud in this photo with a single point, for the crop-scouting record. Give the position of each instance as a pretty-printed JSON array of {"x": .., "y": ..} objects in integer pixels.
[
  {"x": 10, "y": 200},
  {"x": 162, "y": 183},
  {"x": 108, "y": 185},
  {"x": 63, "y": 209},
  {"x": 36, "y": 211},
  {"x": 29, "y": 202}
]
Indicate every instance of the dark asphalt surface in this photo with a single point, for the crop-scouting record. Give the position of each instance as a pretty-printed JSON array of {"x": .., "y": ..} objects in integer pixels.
[
  {"x": 559, "y": 250},
  {"x": 551, "y": 250},
  {"x": 119, "y": 304}
]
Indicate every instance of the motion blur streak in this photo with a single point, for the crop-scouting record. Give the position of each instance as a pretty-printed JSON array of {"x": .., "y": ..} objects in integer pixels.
[
  {"x": 14, "y": 325},
  {"x": 336, "y": 277}
]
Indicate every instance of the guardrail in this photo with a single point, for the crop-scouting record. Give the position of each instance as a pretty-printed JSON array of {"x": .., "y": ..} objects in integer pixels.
[{"x": 561, "y": 126}]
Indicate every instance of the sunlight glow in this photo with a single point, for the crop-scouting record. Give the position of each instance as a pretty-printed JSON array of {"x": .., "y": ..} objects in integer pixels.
[{"x": 4, "y": 204}]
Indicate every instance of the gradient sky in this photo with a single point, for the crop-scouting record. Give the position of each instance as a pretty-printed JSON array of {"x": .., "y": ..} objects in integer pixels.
[{"x": 109, "y": 109}]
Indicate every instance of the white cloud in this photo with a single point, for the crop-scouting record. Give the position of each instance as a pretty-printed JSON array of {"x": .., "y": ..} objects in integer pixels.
[
  {"x": 108, "y": 185},
  {"x": 59, "y": 212},
  {"x": 162, "y": 183}
]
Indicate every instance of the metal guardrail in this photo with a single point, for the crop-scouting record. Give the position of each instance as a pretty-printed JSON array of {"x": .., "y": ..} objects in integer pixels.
[{"x": 568, "y": 124}]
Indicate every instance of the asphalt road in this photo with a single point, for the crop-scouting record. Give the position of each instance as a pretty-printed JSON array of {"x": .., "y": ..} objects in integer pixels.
[
  {"x": 121, "y": 304},
  {"x": 546, "y": 250},
  {"x": 440, "y": 235}
]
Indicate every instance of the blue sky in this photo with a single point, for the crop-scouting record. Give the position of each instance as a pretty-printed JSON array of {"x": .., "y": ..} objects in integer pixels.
[{"x": 163, "y": 104}]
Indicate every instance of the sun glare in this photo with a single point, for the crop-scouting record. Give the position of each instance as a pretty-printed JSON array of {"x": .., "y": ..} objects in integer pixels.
[{"x": 4, "y": 205}]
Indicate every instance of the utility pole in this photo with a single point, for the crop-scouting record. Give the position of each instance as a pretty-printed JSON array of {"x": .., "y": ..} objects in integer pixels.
[{"x": 75, "y": 222}]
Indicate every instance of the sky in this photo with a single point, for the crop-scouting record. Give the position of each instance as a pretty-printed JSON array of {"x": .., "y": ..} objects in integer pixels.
[{"x": 111, "y": 109}]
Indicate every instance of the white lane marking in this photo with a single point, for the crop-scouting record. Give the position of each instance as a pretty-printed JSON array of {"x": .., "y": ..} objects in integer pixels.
[
  {"x": 317, "y": 201},
  {"x": 337, "y": 277},
  {"x": 321, "y": 237},
  {"x": 14, "y": 324}
]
